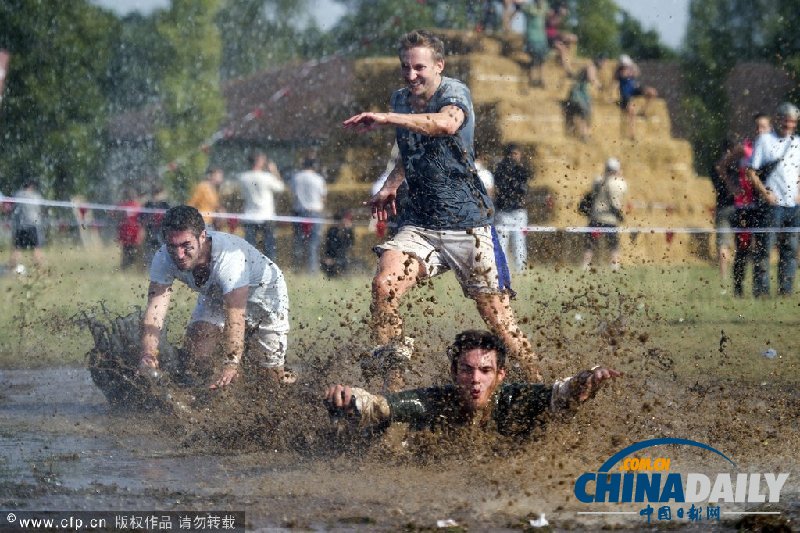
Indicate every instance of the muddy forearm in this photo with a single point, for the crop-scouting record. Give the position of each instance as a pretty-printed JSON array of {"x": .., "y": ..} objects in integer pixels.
[
  {"x": 153, "y": 320},
  {"x": 758, "y": 185},
  {"x": 234, "y": 342},
  {"x": 445, "y": 122}
]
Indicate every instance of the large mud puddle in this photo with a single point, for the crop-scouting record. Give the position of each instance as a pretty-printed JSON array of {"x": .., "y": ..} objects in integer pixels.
[{"x": 64, "y": 448}]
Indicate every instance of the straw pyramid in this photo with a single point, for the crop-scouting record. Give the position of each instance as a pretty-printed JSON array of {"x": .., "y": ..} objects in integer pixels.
[{"x": 664, "y": 191}]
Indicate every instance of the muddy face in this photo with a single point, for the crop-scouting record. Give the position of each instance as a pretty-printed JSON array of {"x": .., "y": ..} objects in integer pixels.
[
  {"x": 476, "y": 376},
  {"x": 185, "y": 248}
]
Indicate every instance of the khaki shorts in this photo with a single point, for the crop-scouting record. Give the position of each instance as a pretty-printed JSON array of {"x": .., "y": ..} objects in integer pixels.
[
  {"x": 266, "y": 333},
  {"x": 474, "y": 256}
]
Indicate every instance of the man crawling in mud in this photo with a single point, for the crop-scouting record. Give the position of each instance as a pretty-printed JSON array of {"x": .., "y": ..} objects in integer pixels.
[
  {"x": 243, "y": 301},
  {"x": 477, "y": 395}
]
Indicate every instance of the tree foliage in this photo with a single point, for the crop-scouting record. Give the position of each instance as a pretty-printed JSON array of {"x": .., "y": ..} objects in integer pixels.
[
  {"x": 260, "y": 34},
  {"x": 191, "y": 100},
  {"x": 139, "y": 54},
  {"x": 596, "y": 27},
  {"x": 720, "y": 33},
  {"x": 372, "y": 27},
  {"x": 640, "y": 43},
  {"x": 53, "y": 111},
  {"x": 604, "y": 28},
  {"x": 782, "y": 41}
]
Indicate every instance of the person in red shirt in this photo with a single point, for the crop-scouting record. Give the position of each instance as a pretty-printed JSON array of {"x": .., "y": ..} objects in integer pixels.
[
  {"x": 129, "y": 230},
  {"x": 745, "y": 202}
]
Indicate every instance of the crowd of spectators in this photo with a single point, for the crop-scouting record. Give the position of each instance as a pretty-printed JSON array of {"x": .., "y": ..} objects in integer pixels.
[
  {"x": 753, "y": 179},
  {"x": 757, "y": 185},
  {"x": 247, "y": 203}
]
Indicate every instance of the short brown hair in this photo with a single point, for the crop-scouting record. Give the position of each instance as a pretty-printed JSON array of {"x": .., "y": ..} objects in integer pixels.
[
  {"x": 183, "y": 218},
  {"x": 475, "y": 338},
  {"x": 422, "y": 39}
]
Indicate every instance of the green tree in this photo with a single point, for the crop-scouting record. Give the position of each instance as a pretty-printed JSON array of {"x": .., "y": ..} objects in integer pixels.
[
  {"x": 782, "y": 40},
  {"x": 54, "y": 109},
  {"x": 372, "y": 27},
  {"x": 597, "y": 28},
  {"x": 720, "y": 33},
  {"x": 191, "y": 100},
  {"x": 261, "y": 34},
  {"x": 139, "y": 55},
  {"x": 641, "y": 44},
  {"x": 603, "y": 28}
]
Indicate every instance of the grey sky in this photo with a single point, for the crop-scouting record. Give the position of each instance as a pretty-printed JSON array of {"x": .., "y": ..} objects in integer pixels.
[{"x": 667, "y": 17}]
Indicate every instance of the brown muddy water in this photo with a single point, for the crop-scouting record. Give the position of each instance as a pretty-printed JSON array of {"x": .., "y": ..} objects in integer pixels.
[{"x": 64, "y": 448}]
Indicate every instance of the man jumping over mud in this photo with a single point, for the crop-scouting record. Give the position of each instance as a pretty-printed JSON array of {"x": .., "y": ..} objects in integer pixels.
[
  {"x": 243, "y": 301},
  {"x": 477, "y": 395},
  {"x": 447, "y": 224}
]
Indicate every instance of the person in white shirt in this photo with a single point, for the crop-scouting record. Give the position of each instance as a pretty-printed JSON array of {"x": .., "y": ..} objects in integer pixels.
[
  {"x": 258, "y": 186},
  {"x": 308, "y": 192},
  {"x": 243, "y": 301},
  {"x": 608, "y": 201},
  {"x": 27, "y": 223},
  {"x": 775, "y": 174}
]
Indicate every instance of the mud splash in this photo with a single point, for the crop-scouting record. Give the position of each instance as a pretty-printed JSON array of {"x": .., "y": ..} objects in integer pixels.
[
  {"x": 273, "y": 453},
  {"x": 64, "y": 448}
]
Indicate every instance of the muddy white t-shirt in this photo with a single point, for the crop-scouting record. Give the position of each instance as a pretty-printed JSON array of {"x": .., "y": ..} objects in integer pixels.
[{"x": 235, "y": 263}]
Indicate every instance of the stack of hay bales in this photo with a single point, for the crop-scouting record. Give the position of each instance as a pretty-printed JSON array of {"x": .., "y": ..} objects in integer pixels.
[{"x": 664, "y": 191}]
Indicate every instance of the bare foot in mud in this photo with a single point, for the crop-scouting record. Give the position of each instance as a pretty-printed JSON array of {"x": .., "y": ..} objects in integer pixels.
[{"x": 279, "y": 375}]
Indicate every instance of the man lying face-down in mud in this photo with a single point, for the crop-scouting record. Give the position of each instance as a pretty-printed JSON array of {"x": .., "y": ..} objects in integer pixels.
[
  {"x": 477, "y": 395},
  {"x": 243, "y": 301}
]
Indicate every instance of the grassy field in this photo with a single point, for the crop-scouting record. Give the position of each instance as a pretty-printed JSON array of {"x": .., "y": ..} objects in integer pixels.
[
  {"x": 675, "y": 318},
  {"x": 693, "y": 367}
]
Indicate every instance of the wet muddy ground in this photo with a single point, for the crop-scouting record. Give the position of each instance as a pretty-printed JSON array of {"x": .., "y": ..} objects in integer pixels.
[{"x": 64, "y": 448}]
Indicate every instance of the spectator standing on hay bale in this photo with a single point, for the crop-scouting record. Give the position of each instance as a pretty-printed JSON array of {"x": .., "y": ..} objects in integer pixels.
[
  {"x": 578, "y": 105},
  {"x": 536, "y": 43},
  {"x": 627, "y": 75},
  {"x": 558, "y": 39}
]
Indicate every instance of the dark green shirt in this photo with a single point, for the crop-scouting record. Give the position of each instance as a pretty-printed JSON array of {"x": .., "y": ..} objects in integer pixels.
[{"x": 516, "y": 407}]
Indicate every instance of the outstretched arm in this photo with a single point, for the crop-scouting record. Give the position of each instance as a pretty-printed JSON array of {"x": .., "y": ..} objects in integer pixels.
[
  {"x": 446, "y": 121},
  {"x": 569, "y": 393},
  {"x": 356, "y": 404}
]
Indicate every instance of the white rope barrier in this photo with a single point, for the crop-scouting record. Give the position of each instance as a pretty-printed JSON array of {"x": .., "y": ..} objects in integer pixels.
[{"x": 81, "y": 206}]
